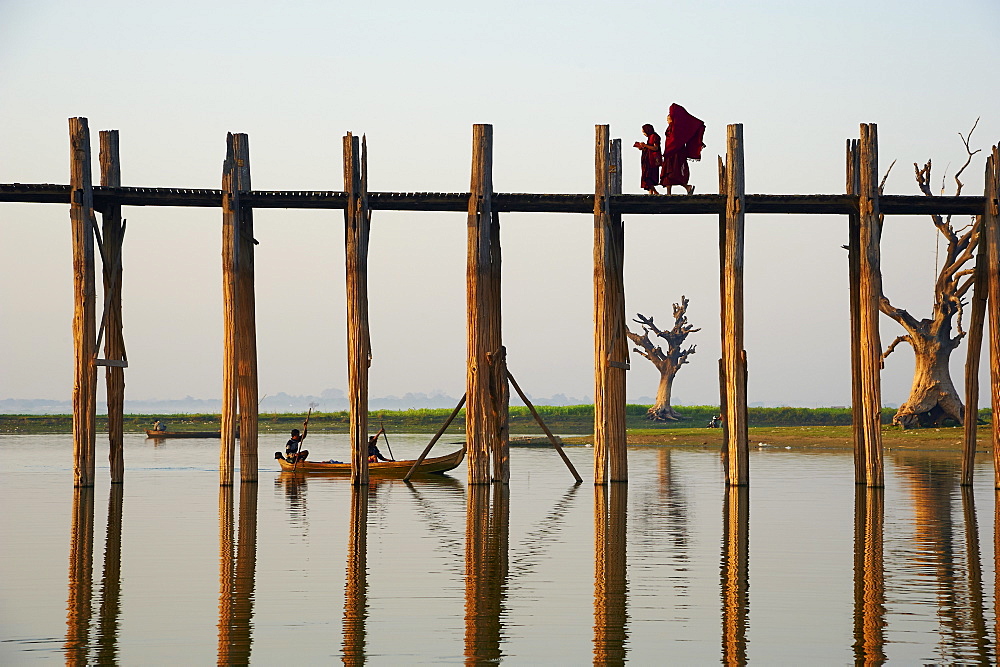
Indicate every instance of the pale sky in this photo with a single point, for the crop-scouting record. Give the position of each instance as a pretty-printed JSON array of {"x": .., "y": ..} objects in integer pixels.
[{"x": 174, "y": 77}]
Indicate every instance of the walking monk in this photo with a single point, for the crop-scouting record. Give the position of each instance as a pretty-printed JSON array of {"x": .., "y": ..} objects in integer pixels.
[
  {"x": 682, "y": 141},
  {"x": 651, "y": 159}
]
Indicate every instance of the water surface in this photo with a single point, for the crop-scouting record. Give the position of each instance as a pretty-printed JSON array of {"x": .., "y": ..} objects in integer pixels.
[{"x": 801, "y": 569}]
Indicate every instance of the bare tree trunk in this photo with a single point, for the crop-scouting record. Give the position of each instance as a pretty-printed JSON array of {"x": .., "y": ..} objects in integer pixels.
[
  {"x": 933, "y": 397},
  {"x": 662, "y": 410}
]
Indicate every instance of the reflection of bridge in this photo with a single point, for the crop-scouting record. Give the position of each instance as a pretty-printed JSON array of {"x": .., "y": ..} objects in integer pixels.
[{"x": 487, "y": 389}]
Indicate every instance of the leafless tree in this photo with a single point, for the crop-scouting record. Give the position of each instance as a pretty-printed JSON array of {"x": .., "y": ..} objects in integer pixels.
[
  {"x": 669, "y": 362},
  {"x": 933, "y": 397}
]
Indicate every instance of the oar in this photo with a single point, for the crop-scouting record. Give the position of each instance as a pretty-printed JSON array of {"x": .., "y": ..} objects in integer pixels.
[
  {"x": 384, "y": 435},
  {"x": 305, "y": 428}
]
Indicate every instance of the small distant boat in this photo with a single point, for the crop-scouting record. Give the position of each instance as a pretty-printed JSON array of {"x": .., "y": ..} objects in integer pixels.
[
  {"x": 438, "y": 465},
  {"x": 184, "y": 434}
]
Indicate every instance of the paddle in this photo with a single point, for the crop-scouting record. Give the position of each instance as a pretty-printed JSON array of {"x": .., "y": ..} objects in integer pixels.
[
  {"x": 386, "y": 436},
  {"x": 305, "y": 430}
]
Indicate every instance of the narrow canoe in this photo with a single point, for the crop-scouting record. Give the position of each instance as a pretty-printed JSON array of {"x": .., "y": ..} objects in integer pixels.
[
  {"x": 183, "y": 434},
  {"x": 438, "y": 465}
]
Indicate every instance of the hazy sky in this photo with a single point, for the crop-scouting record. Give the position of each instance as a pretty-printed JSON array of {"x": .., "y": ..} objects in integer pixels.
[{"x": 174, "y": 77}]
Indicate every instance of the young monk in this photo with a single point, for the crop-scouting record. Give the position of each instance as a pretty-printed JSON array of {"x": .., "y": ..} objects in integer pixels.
[
  {"x": 682, "y": 141},
  {"x": 650, "y": 159}
]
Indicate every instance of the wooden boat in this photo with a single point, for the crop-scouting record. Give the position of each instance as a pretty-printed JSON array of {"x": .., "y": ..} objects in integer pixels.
[
  {"x": 437, "y": 465},
  {"x": 183, "y": 434}
]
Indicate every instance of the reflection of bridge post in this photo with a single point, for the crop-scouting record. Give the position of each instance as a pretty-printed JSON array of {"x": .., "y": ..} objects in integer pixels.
[
  {"x": 486, "y": 543},
  {"x": 975, "y": 576},
  {"x": 869, "y": 584},
  {"x": 735, "y": 574},
  {"x": 356, "y": 584},
  {"x": 610, "y": 573},
  {"x": 81, "y": 575},
  {"x": 237, "y": 578},
  {"x": 107, "y": 633}
]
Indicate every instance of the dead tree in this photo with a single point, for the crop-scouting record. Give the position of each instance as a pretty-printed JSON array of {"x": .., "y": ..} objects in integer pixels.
[
  {"x": 933, "y": 397},
  {"x": 669, "y": 362}
]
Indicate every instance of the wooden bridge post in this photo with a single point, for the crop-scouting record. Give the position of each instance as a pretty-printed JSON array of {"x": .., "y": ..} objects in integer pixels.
[
  {"x": 974, "y": 351},
  {"x": 114, "y": 342},
  {"x": 867, "y": 352},
  {"x": 486, "y": 388},
  {"x": 991, "y": 232},
  {"x": 357, "y": 225},
  {"x": 610, "y": 341},
  {"x": 734, "y": 360},
  {"x": 83, "y": 224},
  {"x": 239, "y": 374}
]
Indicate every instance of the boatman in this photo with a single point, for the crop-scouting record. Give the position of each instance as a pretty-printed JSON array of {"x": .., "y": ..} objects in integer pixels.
[
  {"x": 374, "y": 455},
  {"x": 294, "y": 444},
  {"x": 159, "y": 426}
]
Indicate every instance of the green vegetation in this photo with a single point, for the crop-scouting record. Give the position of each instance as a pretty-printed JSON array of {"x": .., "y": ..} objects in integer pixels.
[{"x": 561, "y": 419}]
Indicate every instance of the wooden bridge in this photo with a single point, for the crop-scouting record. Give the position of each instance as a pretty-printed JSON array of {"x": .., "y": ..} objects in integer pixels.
[{"x": 487, "y": 390}]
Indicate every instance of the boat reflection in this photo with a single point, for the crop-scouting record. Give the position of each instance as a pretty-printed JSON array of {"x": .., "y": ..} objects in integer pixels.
[
  {"x": 295, "y": 488},
  {"x": 487, "y": 529},
  {"x": 735, "y": 574},
  {"x": 610, "y": 574},
  {"x": 869, "y": 580},
  {"x": 356, "y": 585},
  {"x": 237, "y": 574}
]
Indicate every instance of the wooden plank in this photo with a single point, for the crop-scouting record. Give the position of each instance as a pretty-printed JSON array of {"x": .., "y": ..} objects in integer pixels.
[
  {"x": 357, "y": 225},
  {"x": 437, "y": 436},
  {"x": 869, "y": 293},
  {"x": 974, "y": 351},
  {"x": 545, "y": 429},
  {"x": 809, "y": 204},
  {"x": 114, "y": 345},
  {"x": 84, "y": 305},
  {"x": 733, "y": 354},
  {"x": 991, "y": 231},
  {"x": 610, "y": 341}
]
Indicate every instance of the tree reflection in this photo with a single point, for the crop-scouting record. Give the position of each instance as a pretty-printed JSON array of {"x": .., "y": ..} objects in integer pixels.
[
  {"x": 610, "y": 573},
  {"x": 933, "y": 482},
  {"x": 486, "y": 554},
  {"x": 735, "y": 574}
]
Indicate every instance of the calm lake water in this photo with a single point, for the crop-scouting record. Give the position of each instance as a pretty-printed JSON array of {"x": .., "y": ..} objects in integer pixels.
[{"x": 671, "y": 568}]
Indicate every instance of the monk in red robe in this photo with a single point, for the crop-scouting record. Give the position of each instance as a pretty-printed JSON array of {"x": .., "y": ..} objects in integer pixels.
[
  {"x": 651, "y": 159},
  {"x": 682, "y": 141}
]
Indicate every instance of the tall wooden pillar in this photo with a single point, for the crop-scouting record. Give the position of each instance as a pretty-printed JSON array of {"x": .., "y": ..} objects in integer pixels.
[
  {"x": 239, "y": 374},
  {"x": 991, "y": 232},
  {"x": 734, "y": 359},
  {"x": 357, "y": 225},
  {"x": 866, "y": 284},
  {"x": 977, "y": 319},
  {"x": 610, "y": 341},
  {"x": 83, "y": 222},
  {"x": 114, "y": 341},
  {"x": 486, "y": 377}
]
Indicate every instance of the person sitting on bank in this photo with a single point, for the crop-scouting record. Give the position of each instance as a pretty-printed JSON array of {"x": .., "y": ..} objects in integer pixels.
[
  {"x": 374, "y": 455},
  {"x": 159, "y": 426},
  {"x": 294, "y": 444}
]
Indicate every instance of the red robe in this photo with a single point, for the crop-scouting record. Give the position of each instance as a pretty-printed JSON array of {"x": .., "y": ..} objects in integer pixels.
[
  {"x": 682, "y": 141},
  {"x": 651, "y": 162}
]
